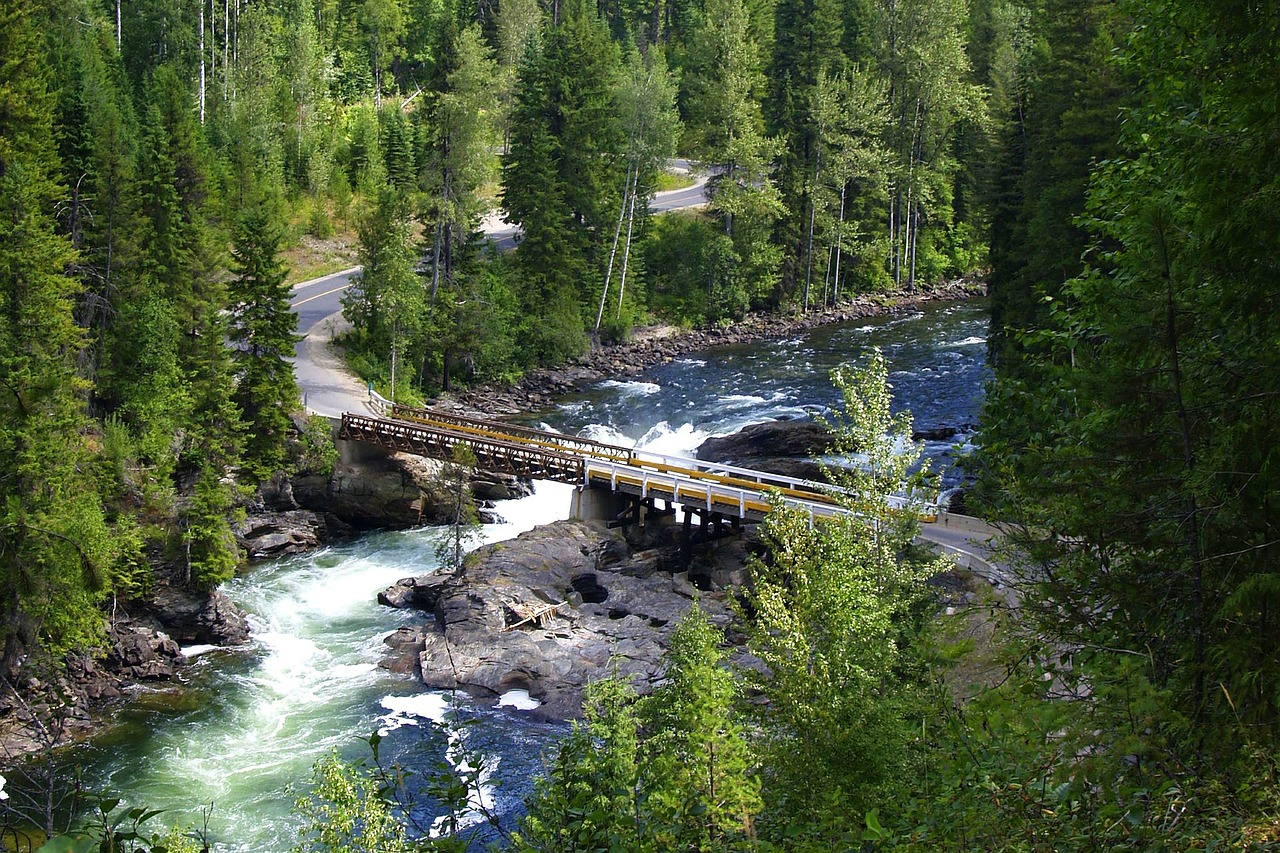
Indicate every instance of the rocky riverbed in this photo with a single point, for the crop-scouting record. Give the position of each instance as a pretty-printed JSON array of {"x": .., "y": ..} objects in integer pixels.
[{"x": 539, "y": 388}]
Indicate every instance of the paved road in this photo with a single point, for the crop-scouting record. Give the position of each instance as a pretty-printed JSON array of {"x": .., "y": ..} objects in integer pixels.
[
  {"x": 327, "y": 386},
  {"x": 320, "y": 298}
]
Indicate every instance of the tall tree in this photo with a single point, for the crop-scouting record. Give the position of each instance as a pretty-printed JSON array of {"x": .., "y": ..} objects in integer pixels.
[
  {"x": 725, "y": 128},
  {"x": 382, "y": 24},
  {"x": 55, "y": 549},
  {"x": 700, "y": 789},
  {"x": 1149, "y": 449},
  {"x": 457, "y": 130},
  {"x": 832, "y": 622},
  {"x": 388, "y": 304},
  {"x": 1062, "y": 113},
  {"x": 806, "y": 54},
  {"x": 262, "y": 330},
  {"x": 563, "y": 176},
  {"x": 921, "y": 47},
  {"x": 647, "y": 104}
]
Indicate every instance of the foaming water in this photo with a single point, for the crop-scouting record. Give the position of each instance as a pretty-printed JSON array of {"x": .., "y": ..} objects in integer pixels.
[
  {"x": 246, "y": 726},
  {"x": 937, "y": 368}
]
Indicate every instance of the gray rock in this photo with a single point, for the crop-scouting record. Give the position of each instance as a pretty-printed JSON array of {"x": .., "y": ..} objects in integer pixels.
[
  {"x": 394, "y": 491},
  {"x": 192, "y": 617},
  {"x": 275, "y": 533},
  {"x": 616, "y": 608},
  {"x": 492, "y": 486},
  {"x": 752, "y": 445},
  {"x": 406, "y": 645}
]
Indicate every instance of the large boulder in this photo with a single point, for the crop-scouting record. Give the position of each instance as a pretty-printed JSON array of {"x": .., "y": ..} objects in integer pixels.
[
  {"x": 600, "y": 607},
  {"x": 391, "y": 491},
  {"x": 396, "y": 491},
  {"x": 781, "y": 447},
  {"x": 191, "y": 617},
  {"x": 271, "y": 533}
]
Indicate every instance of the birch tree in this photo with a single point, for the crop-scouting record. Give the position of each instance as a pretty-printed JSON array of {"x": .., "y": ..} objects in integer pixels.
[{"x": 647, "y": 104}]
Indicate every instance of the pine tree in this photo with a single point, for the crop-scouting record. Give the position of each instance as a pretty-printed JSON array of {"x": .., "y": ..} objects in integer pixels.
[
  {"x": 806, "y": 52},
  {"x": 700, "y": 790},
  {"x": 725, "y": 127},
  {"x": 563, "y": 177},
  {"x": 56, "y": 553},
  {"x": 1140, "y": 465},
  {"x": 262, "y": 330},
  {"x": 590, "y": 799}
]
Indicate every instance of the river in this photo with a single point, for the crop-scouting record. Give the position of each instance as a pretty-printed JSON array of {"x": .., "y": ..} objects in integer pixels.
[{"x": 245, "y": 728}]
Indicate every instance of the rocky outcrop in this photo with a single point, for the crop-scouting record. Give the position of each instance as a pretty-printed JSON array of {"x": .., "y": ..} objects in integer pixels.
[
  {"x": 397, "y": 491},
  {"x": 787, "y": 447},
  {"x": 605, "y": 604},
  {"x": 276, "y": 534},
  {"x": 51, "y": 705},
  {"x": 381, "y": 492},
  {"x": 193, "y": 617},
  {"x": 759, "y": 445}
]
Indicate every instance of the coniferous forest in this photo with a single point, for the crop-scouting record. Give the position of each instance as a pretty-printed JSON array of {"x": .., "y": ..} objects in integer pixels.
[{"x": 1111, "y": 167}]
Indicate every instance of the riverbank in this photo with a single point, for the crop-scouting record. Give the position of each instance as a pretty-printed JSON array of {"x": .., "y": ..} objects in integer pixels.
[{"x": 656, "y": 345}]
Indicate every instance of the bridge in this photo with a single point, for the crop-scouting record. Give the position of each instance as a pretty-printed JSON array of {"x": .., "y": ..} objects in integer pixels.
[{"x": 616, "y": 484}]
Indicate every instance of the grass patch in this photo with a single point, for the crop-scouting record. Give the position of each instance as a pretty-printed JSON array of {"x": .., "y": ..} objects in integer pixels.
[
  {"x": 674, "y": 181},
  {"x": 311, "y": 258}
]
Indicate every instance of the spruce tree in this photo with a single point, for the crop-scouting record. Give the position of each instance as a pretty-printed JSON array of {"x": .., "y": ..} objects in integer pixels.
[
  {"x": 725, "y": 127},
  {"x": 56, "y": 553},
  {"x": 262, "y": 332},
  {"x": 700, "y": 789}
]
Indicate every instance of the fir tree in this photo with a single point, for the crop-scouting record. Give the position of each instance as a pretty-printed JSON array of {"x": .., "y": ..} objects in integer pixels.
[
  {"x": 56, "y": 553},
  {"x": 262, "y": 330}
]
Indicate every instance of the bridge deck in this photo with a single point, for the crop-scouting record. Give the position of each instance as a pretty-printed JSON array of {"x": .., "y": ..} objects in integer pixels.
[{"x": 538, "y": 454}]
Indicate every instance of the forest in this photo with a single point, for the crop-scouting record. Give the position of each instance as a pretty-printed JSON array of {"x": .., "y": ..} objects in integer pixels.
[{"x": 1110, "y": 167}]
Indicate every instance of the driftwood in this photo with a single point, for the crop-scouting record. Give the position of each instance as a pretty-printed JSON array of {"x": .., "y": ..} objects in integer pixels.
[{"x": 537, "y": 615}]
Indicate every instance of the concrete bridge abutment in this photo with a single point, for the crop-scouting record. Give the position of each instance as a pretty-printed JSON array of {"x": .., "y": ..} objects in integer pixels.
[{"x": 588, "y": 504}]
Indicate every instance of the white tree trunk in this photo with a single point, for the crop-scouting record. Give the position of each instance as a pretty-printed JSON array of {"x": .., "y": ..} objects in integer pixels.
[
  {"x": 626, "y": 252},
  {"x": 835, "y": 295},
  {"x": 202, "y": 63},
  {"x": 613, "y": 251}
]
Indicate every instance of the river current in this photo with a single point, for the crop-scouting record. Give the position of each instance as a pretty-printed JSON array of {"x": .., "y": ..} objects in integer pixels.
[{"x": 245, "y": 729}]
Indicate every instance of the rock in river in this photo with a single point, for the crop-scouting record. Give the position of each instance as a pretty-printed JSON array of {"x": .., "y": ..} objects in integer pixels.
[{"x": 558, "y": 607}]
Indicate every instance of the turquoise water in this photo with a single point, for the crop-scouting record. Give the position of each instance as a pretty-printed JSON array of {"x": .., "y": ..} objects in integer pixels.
[{"x": 245, "y": 727}]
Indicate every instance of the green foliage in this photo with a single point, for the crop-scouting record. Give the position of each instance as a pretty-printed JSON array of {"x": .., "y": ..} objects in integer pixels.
[
  {"x": 118, "y": 830},
  {"x": 262, "y": 330},
  {"x": 367, "y": 806},
  {"x": 686, "y": 784},
  {"x": 210, "y": 553},
  {"x": 563, "y": 178},
  {"x": 698, "y": 774},
  {"x": 590, "y": 799},
  {"x": 388, "y": 305},
  {"x": 345, "y": 812},
  {"x": 673, "y": 249},
  {"x": 55, "y": 545},
  {"x": 833, "y": 618},
  {"x": 317, "y": 453}
]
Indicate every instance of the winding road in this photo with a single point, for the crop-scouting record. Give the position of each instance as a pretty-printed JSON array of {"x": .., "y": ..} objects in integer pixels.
[{"x": 328, "y": 388}]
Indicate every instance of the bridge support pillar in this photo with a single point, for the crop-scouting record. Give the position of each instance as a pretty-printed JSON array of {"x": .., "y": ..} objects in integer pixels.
[{"x": 588, "y": 504}]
